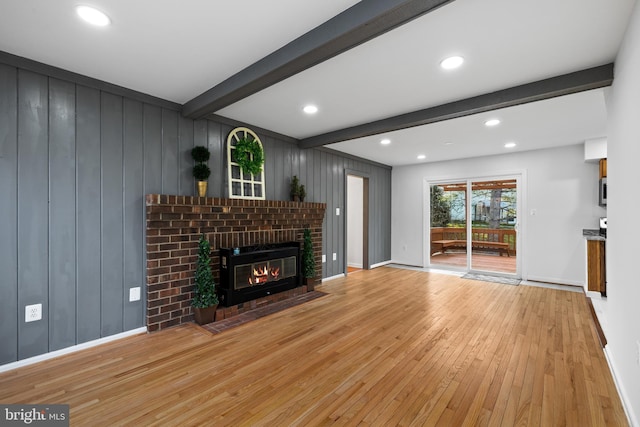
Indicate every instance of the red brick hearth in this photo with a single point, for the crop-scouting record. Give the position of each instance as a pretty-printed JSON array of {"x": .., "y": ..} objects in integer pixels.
[{"x": 174, "y": 224}]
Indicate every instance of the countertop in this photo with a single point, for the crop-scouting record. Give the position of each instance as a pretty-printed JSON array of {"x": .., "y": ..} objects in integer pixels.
[{"x": 592, "y": 235}]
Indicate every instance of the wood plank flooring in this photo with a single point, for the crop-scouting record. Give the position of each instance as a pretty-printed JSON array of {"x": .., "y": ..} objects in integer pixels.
[{"x": 384, "y": 347}]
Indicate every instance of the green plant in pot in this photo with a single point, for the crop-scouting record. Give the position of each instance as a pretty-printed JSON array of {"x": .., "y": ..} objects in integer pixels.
[
  {"x": 298, "y": 192},
  {"x": 308, "y": 260},
  {"x": 205, "y": 299},
  {"x": 201, "y": 171}
]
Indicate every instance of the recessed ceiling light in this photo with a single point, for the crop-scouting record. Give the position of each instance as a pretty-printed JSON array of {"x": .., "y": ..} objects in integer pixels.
[
  {"x": 93, "y": 16},
  {"x": 509, "y": 145},
  {"x": 385, "y": 141},
  {"x": 310, "y": 109},
  {"x": 452, "y": 62},
  {"x": 448, "y": 143},
  {"x": 421, "y": 157},
  {"x": 492, "y": 122}
]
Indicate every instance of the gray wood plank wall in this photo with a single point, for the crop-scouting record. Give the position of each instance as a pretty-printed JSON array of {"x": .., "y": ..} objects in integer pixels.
[{"x": 75, "y": 164}]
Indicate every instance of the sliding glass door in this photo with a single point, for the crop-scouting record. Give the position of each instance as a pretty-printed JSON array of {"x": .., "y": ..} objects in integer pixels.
[
  {"x": 473, "y": 225},
  {"x": 448, "y": 212}
]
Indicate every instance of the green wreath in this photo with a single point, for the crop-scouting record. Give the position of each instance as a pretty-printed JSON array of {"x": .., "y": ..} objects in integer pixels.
[{"x": 249, "y": 156}]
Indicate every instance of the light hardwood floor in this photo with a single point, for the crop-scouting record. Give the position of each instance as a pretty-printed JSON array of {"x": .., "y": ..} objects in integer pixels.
[{"x": 384, "y": 347}]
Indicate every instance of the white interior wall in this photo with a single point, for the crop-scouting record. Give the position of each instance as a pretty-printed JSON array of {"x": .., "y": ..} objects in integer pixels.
[
  {"x": 355, "y": 212},
  {"x": 560, "y": 186},
  {"x": 621, "y": 308}
]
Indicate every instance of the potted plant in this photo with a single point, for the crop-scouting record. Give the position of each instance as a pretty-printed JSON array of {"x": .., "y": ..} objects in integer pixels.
[
  {"x": 201, "y": 171},
  {"x": 308, "y": 261},
  {"x": 303, "y": 193},
  {"x": 205, "y": 299},
  {"x": 298, "y": 192}
]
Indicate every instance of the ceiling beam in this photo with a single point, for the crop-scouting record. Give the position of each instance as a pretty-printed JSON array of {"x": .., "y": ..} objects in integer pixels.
[
  {"x": 565, "y": 84},
  {"x": 364, "y": 21}
]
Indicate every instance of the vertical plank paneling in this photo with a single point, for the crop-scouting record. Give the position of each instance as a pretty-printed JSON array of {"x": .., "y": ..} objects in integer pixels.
[
  {"x": 269, "y": 166},
  {"x": 89, "y": 261},
  {"x": 134, "y": 210},
  {"x": 338, "y": 198},
  {"x": 75, "y": 164},
  {"x": 317, "y": 177},
  {"x": 385, "y": 222},
  {"x": 169, "y": 152},
  {"x": 33, "y": 211},
  {"x": 279, "y": 173},
  {"x": 374, "y": 214},
  {"x": 8, "y": 214},
  {"x": 304, "y": 173},
  {"x": 112, "y": 214},
  {"x": 62, "y": 215},
  {"x": 328, "y": 197},
  {"x": 186, "y": 184},
  {"x": 289, "y": 169},
  {"x": 152, "y": 143},
  {"x": 218, "y": 170}
]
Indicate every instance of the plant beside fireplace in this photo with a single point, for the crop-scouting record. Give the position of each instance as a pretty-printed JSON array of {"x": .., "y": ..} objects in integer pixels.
[
  {"x": 308, "y": 261},
  {"x": 201, "y": 171},
  {"x": 205, "y": 299}
]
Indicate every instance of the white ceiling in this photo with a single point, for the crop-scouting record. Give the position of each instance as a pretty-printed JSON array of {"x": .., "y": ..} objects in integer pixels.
[{"x": 177, "y": 50}]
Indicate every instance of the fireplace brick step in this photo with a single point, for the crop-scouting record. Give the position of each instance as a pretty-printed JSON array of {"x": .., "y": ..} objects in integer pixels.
[{"x": 256, "y": 313}]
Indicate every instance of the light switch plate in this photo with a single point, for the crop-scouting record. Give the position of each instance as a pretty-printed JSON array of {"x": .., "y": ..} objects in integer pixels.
[
  {"x": 134, "y": 294},
  {"x": 324, "y": 258},
  {"x": 335, "y": 256},
  {"x": 337, "y": 211}
]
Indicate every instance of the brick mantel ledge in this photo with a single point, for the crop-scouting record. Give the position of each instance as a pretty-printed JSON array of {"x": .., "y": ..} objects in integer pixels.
[{"x": 175, "y": 223}]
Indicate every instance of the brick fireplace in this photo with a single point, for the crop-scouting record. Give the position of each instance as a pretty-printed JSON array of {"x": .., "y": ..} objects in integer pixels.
[{"x": 174, "y": 224}]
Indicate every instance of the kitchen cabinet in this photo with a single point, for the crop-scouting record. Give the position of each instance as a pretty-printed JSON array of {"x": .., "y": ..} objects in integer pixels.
[{"x": 596, "y": 271}]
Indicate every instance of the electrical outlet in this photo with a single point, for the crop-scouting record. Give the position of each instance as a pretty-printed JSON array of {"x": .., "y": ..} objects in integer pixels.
[
  {"x": 335, "y": 256},
  {"x": 324, "y": 258},
  {"x": 134, "y": 294},
  {"x": 32, "y": 312}
]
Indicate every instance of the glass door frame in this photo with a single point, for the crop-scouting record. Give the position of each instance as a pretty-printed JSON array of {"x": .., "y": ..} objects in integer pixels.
[{"x": 520, "y": 177}]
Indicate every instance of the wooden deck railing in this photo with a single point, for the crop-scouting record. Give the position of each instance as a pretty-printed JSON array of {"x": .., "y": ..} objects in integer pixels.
[{"x": 478, "y": 234}]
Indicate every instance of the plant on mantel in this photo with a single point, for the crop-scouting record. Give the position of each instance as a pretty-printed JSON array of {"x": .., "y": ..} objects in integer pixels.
[
  {"x": 201, "y": 171},
  {"x": 205, "y": 299},
  {"x": 298, "y": 192},
  {"x": 308, "y": 260}
]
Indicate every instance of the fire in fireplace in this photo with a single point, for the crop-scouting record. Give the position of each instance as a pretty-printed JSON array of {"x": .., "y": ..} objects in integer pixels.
[{"x": 252, "y": 272}]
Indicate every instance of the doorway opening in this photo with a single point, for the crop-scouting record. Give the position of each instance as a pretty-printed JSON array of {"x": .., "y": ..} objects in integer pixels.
[
  {"x": 357, "y": 223},
  {"x": 473, "y": 225}
]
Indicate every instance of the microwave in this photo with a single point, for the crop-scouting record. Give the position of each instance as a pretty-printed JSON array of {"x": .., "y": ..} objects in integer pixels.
[{"x": 602, "y": 193}]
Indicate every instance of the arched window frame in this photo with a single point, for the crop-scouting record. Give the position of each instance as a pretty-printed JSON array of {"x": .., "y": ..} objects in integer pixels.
[{"x": 243, "y": 185}]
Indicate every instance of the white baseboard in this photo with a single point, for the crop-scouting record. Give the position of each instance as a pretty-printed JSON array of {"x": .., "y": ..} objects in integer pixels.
[
  {"x": 337, "y": 276},
  {"x": 626, "y": 403},
  {"x": 381, "y": 264},
  {"x": 72, "y": 349},
  {"x": 354, "y": 265},
  {"x": 554, "y": 280}
]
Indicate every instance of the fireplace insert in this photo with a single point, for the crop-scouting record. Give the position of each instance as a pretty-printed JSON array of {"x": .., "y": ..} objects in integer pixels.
[{"x": 252, "y": 272}]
